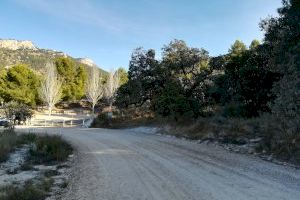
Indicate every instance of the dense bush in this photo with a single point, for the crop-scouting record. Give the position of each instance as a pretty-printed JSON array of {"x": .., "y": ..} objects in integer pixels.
[
  {"x": 247, "y": 82},
  {"x": 17, "y": 113},
  {"x": 172, "y": 102},
  {"x": 102, "y": 120},
  {"x": 8, "y": 142},
  {"x": 50, "y": 149},
  {"x": 280, "y": 139},
  {"x": 29, "y": 191},
  {"x": 130, "y": 117},
  {"x": 43, "y": 148}
]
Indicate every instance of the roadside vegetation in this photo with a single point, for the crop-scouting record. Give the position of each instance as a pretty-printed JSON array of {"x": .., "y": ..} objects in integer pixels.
[
  {"x": 126, "y": 118},
  {"x": 43, "y": 150},
  {"x": 252, "y": 92},
  {"x": 8, "y": 142},
  {"x": 61, "y": 81},
  {"x": 48, "y": 149},
  {"x": 29, "y": 191}
]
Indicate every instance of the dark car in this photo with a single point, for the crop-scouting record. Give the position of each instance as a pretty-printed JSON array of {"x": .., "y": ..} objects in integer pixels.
[{"x": 4, "y": 123}]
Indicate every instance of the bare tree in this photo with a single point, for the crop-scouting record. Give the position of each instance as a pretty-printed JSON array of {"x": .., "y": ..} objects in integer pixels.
[
  {"x": 94, "y": 87},
  {"x": 50, "y": 91},
  {"x": 112, "y": 84}
]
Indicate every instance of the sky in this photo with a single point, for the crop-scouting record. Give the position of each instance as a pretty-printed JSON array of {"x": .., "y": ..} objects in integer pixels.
[{"x": 107, "y": 31}]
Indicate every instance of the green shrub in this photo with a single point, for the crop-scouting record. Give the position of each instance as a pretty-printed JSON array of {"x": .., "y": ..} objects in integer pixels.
[
  {"x": 172, "y": 102},
  {"x": 281, "y": 139},
  {"x": 101, "y": 120},
  {"x": 50, "y": 149},
  {"x": 28, "y": 192},
  {"x": 44, "y": 148},
  {"x": 8, "y": 141},
  {"x": 27, "y": 138},
  {"x": 234, "y": 109}
]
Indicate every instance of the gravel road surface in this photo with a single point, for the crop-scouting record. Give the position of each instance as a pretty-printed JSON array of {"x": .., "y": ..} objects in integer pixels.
[{"x": 135, "y": 165}]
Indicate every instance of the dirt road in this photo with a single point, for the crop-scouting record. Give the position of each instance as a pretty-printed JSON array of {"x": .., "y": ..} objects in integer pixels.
[{"x": 130, "y": 164}]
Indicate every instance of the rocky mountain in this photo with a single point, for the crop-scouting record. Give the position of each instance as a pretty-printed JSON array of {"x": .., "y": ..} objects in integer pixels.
[
  {"x": 17, "y": 44},
  {"x": 14, "y": 52},
  {"x": 87, "y": 61}
]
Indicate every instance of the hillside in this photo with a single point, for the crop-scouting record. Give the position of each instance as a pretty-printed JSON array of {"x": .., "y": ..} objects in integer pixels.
[{"x": 15, "y": 52}]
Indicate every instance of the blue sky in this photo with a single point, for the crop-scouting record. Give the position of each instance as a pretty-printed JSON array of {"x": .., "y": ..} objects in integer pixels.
[{"x": 108, "y": 30}]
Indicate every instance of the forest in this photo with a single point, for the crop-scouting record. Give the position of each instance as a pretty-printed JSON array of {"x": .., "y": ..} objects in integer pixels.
[{"x": 259, "y": 82}]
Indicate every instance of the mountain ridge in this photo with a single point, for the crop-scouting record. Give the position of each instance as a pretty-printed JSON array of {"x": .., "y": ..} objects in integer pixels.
[{"x": 14, "y": 52}]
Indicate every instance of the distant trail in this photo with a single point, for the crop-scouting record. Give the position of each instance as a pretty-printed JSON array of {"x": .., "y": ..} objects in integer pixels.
[{"x": 128, "y": 164}]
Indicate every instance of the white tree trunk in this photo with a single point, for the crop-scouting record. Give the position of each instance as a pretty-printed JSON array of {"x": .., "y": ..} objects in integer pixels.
[
  {"x": 111, "y": 88},
  {"x": 49, "y": 111},
  {"x": 93, "y": 110},
  {"x": 50, "y": 91},
  {"x": 94, "y": 88}
]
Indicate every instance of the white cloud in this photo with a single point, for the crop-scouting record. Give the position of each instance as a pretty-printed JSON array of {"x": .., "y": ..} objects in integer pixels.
[
  {"x": 86, "y": 12},
  {"x": 78, "y": 11}
]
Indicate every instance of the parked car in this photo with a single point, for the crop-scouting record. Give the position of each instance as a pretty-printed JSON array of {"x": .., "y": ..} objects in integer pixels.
[{"x": 4, "y": 123}]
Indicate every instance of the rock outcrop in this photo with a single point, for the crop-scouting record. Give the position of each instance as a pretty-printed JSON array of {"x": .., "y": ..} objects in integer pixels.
[
  {"x": 87, "y": 61},
  {"x": 17, "y": 44}
]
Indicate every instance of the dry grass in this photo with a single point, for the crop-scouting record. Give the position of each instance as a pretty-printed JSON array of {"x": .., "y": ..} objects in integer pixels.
[
  {"x": 282, "y": 143},
  {"x": 50, "y": 149},
  {"x": 44, "y": 149},
  {"x": 280, "y": 139},
  {"x": 219, "y": 128},
  {"x": 8, "y": 142},
  {"x": 28, "y": 191},
  {"x": 126, "y": 118}
]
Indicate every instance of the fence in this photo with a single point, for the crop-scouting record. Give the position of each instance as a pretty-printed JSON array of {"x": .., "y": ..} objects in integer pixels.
[{"x": 60, "y": 123}]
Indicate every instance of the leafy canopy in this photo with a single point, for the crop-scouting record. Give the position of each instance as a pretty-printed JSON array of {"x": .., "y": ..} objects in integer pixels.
[{"x": 20, "y": 83}]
